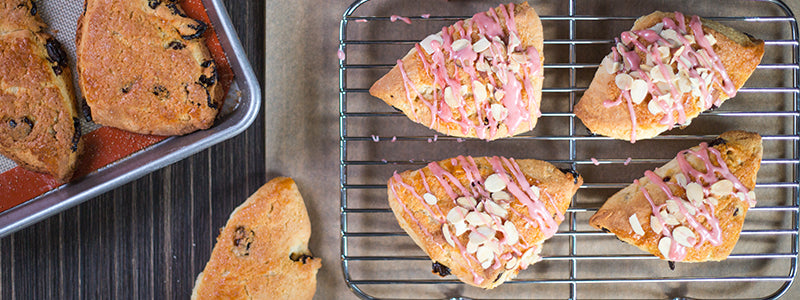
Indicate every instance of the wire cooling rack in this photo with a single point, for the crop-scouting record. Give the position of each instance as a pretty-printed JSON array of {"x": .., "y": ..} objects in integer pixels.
[{"x": 380, "y": 261}]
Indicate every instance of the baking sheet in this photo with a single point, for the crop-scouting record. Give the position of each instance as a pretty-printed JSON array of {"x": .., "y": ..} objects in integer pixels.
[
  {"x": 381, "y": 261},
  {"x": 241, "y": 107}
]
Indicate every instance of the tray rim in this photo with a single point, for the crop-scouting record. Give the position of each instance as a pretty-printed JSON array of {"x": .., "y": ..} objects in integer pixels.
[{"x": 158, "y": 155}]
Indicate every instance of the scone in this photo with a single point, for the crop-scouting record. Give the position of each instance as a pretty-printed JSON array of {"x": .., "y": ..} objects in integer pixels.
[
  {"x": 262, "y": 252},
  {"x": 691, "y": 209},
  {"x": 664, "y": 72},
  {"x": 39, "y": 126},
  {"x": 143, "y": 67},
  {"x": 485, "y": 218},
  {"x": 481, "y": 77}
]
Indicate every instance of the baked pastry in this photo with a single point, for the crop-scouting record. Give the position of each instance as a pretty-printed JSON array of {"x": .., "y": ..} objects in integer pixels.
[
  {"x": 481, "y": 77},
  {"x": 691, "y": 209},
  {"x": 482, "y": 219},
  {"x": 144, "y": 67},
  {"x": 262, "y": 252},
  {"x": 39, "y": 126},
  {"x": 665, "y": 71}
]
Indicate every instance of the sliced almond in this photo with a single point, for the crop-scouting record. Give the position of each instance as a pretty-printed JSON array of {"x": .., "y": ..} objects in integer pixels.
[
  {"x": 711, "y": 39},
  {"x": 494, "y": 209},
  {"x": 608, "y": 64},
  {"x": 658, "y": 27},
  {"x": 689, "y": 38},
  {"x": 475, "y": 218},
  {"x": 512, "y": 263},
  {"x": 722, "y": 188},
  {"x": 467, "y": 202},
  {"x": 752, "y": 196},
  {"x": 656, "y": 75},
  {"x": 694, "y": 192},
  {"x": 653, "y": 107},
  {"x": 637, "y": 227},
  {"x": 664, "y": 246},
  {"x": 426, "y": 42},
  {"x": 684, "y": 85},
  {"x": 690, "y": 208},
  {"x": 712, "y": 200},
  {"x": 680, "y": 179},
  {"x": 510, "y": 232},
  {"x": 623, "y": 81},
  {"x": 684, "y": 236},
  {"x": 499, "y": 94},
  {"x": 430, "y": 199},
  {"x": 482, "y": 66},
  {"x": 477, "y": 238},
  {"x": 486, "y": 231},
  {"x": 670, "y": 35},
  {"x": 499, "y": 112},
  {"x": 472, "y": 247},
  {"x": 481, "y": 45},
  {"x": 669, "y": 219},
  {"x": 456, "y": 215},
  {"x": 513, "y": 41},
  {"x": 479, "y": 91},
  {"x": 519, "y": 57},
  {"x": 645, "y": 67},
  {"x": 447, "y": 236},
  {"x": 656, "y": 225},
  {"x": 638, "y": 91},
  {"x": 460, "y": 227},
  {"x": 460, "y": 44},
  {"x": 494, "y": 183},
  {"x": 501, "y": 196},
  {"x": 664, "y": 53},
  {"x": 450, "y": 98}
]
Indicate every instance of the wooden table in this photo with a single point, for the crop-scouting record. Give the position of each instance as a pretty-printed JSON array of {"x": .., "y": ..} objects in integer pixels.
[{"x": 150, "y": 238}]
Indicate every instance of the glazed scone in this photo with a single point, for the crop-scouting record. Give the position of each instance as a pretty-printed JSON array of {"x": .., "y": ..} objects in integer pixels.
[
  {"x": 481, "y": 77},
  {"x": 664, "y": 72},
  {"x": 691, "y": 209},
  {"x": 39, "y": 126},
  {"x": 144, "y": 67},
  {"x": 482, "y": 219},
  {"x": 262, "y": 252}
]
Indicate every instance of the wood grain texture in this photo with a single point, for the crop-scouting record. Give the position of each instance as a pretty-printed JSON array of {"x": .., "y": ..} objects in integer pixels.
[{"x": 147, "y": 239}]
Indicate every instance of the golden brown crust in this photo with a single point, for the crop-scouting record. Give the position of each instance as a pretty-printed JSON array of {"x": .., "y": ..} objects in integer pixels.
[
  {"x": 739, "y": 53},
  {"x": 39, "y": 127},
  {"x": 390, "y": 88},
  {"x": 262, "y": 252},
  {"x": 741, "y": 152},
  {"x": 144, "y": 67},
  {"x": 426, "y": 230}
]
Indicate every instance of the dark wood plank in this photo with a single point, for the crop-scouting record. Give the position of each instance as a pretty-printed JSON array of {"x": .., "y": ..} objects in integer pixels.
[{"x": 150, "y": 238}]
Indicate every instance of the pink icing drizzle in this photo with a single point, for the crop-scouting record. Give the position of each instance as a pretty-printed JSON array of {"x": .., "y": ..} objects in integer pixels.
[
  {"x": 712, "y": 175},
  {"x": 518, "y": 108},
  {"x": 394, "y": 18},
  {"x": 517, "y": 185}
]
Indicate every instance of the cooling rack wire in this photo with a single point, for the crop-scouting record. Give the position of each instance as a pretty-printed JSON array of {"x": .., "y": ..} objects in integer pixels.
[{"x": 380, "y": 261}]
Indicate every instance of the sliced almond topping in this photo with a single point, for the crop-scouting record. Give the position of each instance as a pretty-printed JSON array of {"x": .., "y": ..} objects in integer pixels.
[
  {"x": 519, "y": 57},
  {"x": 535, "y": 192},
  {"x": 461, "y": 228},
  {"x": 482, "y": 66},
  {"x": 623, "y": 81},
  {"x": 669, "y": 219},
  {"x": 645, "y": 67},
  {"x": 484, "y": 256},
  {"x": 656, "y": 75},
  {"x": 486, "y": 231},
  {"x": 751, "y": 195},
  {"x": 460, "y": 44},
  {"x": 499, "y": 112},
  {"x": 690, "y": 208},
  {"x": 711, "y": 39},
  {"x": 608, "y": 64},
  {"x": 477, "y": 238},
  {"x": 472, "y": 247},
  {"x": 479, "y": 207},
  {"x": 673, "y": 207},
  {"x": 664, "y": 245},
  {"x": 512, "y": 263},
  {"x": 499, "y": 94},
  {"x": 664, "y": 53},
  {"x": 722, "y": 188},
  {"x": 510, "y": 232},
  {"x": 677, "y": 53},
  {"x": 494, "y": 183},
  {"x": 426, "y": 43},
  {"x": 712, "y": 200},
  {"x": 456, "y": 215},
  {"x": 658, "y": 27},
  {"x": 655, "y": 224},
  {"x": 450, "y": 98},
  {"x": 430, "y": 199},
  {"x": 479, "y": 91},
  {"x": 684, "y": 236},
  {"x": 680, "y": 179},
  {"x": 467, "y": 202},
  {"x": 670, "y": 35},
  {"x": 494, "y": 209},
  {"x": 694, "y": 192},
  {"x": 528, "y": 257},
  {"x": 475, "y": 218},
  {"x": 689, "y": 38},
  {"x": 447, "y": 236},
  {"x": 637, "y": 227},
  {"x": 481, "y": 45},
  {"x": 513, "y": 41},
  {"x": 638, "y": 91},
  {"x": 501, "y": 196},
  {"x": 684, "y": 85},
  {"x": 653, "y": 107}
]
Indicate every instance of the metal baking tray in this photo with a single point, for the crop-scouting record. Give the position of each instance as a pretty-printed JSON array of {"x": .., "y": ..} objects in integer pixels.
[
  {"x": 380, "y": 261},
  {"x": 243, "y": 102}
]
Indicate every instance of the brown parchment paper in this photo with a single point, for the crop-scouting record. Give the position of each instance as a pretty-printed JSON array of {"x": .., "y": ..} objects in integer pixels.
[{"x": 302, "y": 102}]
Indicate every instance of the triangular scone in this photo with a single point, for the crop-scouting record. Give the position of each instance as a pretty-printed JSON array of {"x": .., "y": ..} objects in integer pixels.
[
  {"x": 262, "y": 252},
  {"x": 481, "y": 77},
  {"x": 711, "y": 188},
  {"x": 483, "y": 218},
  {"x": 144, "y": 67},
  {"x": 682, "y": 74},
  {"x": 39, "y": 126}
]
